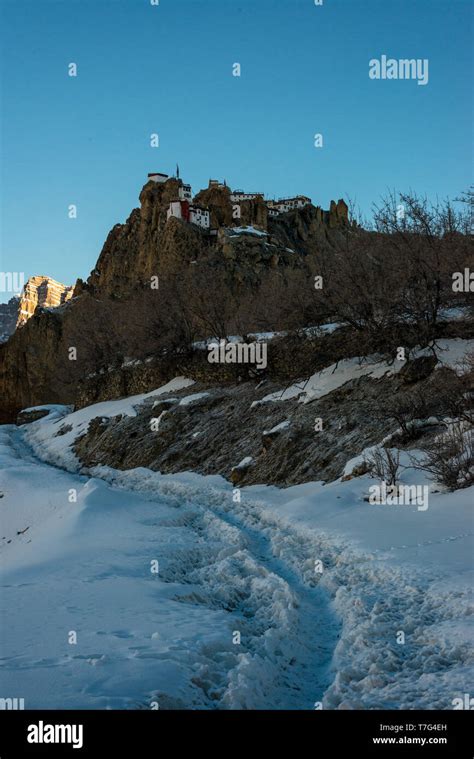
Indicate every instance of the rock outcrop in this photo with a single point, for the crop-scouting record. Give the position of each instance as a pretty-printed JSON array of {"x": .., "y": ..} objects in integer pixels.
[
  {"x": 217, "y": 200},
  {"x": 41, "y": 291},
  {"x": 225, "y": 213},
  {"x": 38, "y": 291},
  {"x": 145, "y": 245},
  {"x": 8, "y": 317},
  {"x": 112, "y": 313},
  {"x": 338, "y": 213},
  {"x": 149, "y": 244},
  {"x": 250, "y": 442}
]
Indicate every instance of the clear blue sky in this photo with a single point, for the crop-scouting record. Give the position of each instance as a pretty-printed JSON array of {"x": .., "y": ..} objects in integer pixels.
[{"x": 168, "y": 69}]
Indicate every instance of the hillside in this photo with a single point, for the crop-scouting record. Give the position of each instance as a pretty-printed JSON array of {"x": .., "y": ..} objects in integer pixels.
[
  {"x": 113, "y": 312},
  {"x": 248, "y": 457},
  {"x": 303, "y": 597}
]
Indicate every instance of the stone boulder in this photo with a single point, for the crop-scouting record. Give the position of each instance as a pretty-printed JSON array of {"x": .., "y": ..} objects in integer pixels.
[
  {"x": 31, "y": 415},
  {"x": 417, "y": 369}
]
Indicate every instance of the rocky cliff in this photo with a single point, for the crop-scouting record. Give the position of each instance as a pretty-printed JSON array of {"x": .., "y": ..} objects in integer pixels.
[
  {"x": 250, "y": 441},
  {"x": 112, "y": 313},
  {"x": 8, "y": 317},
  {"x": 145, "y": 246},
  {"x": 148, "y": 244},
  {"x": 38, "y": 291},
  {"x": 44, "y": 292}
]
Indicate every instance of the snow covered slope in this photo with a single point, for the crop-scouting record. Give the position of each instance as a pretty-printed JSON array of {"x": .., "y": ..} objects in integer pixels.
[
  {"x": 265, "y": 598},
  {"x": 53, "y": 439},
  {"x": 452, "y": 353},
  {"x": 89, "y": 623}
]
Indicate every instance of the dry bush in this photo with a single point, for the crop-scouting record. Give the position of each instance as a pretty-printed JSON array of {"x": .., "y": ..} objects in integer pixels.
[
  {"x": 450, "y": 456},
  {"x": 453, "y": 393},
  {"x": 392, "y": 284},
  {"x": 191, "y": 305},
  {"x": 443, "y": 394},
  {"x": 384, "y": 464},
  {"x": 408, "y": 410},
  {"x": 284, "y": 301}
]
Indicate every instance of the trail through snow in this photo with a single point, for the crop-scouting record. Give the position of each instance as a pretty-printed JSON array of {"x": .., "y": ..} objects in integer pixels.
[
  {"x": 85, "y": 567},
  {"x": 317, "y": 583}
]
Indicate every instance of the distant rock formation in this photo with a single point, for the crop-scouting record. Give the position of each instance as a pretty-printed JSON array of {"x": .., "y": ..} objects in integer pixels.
[
  {"x": 41, "y": 291},
  {"x": 9, "y": 317},
  {"x": 37, "y": 291}
]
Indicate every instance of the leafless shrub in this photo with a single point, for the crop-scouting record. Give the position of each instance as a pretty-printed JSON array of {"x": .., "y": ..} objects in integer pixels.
[
  {"x": 393, "y": 283},
  {"x": 450, "y": 456},
  {"x": 407, "y": 410},
  {"x": 445, "y": 393},
  {"x": 384, "y": 464},
  {"x": 454, "y": 394}
]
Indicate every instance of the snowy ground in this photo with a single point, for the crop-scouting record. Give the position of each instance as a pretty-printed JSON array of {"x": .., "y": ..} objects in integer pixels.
[
  {"x": 141, "y": 636},
  {"x": 335, "y": 600}
]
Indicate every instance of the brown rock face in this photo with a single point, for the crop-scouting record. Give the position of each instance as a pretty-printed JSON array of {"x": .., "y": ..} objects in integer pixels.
[
  {"x": 253, "y": 212},
  {"x": 23, "y": 361},
  {"x": 37, "y": 365},
  {"x": 41, "y": 291},
  {"x": 145, "y": 245},
  {"x": 217, "y": 200},
  {"x": 112, "y": 314},
  {"x": 149, "y": 245},
  {"x": 338, "y": 213},
  {"x": 226, "y": 213}
]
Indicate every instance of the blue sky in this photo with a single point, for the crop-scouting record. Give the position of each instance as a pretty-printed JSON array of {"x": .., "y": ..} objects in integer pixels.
[{"x": 168, "y": 69}]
